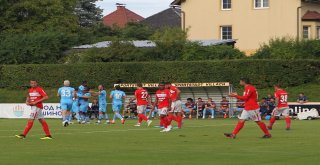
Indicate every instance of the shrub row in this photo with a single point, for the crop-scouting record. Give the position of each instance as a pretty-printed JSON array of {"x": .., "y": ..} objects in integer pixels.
[{"x": 263, "y": 73}]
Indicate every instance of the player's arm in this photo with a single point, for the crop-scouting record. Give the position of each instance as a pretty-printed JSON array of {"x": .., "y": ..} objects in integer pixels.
[
  {"x": 170, "y": 102},
  {"x": 156, "y": 102},
  {"x": 245, "y": 97},
  {"x": 28, "y": 99}
]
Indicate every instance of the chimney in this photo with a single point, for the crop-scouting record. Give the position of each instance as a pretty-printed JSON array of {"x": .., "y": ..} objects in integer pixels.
[{"x": 120, "y": 6}]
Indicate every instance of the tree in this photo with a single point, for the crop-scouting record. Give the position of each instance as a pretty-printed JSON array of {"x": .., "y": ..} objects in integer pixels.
[
  {"x": 21, "y": 16},
  {"x": 88, "y": 13}
]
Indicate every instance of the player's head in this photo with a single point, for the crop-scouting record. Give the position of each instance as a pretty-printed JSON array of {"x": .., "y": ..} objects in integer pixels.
[
  {"x": 95, "y": 101},
  {"x": 139, "y": 85},
  {"x": 66, "y": 83},
  {"x": 85, "y": 83},
  {"x": 162, "y": 86},
  {"x": 117, "y": 87},
  {"x": 33, "y": 83},
  {"x": 86, "y": 89},
  {"x": 276, "y": 87},
  {"x": 209, "y": 99},
  {"x": 244, "y": 81},
  {"x": 224, "y": 98},
  {"x": 168, "y": 85},
  {"x": 101, "y": 87},
  {"x": 199, "y": 99}
]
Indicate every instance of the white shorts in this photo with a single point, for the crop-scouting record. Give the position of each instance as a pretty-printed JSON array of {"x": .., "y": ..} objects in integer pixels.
[
  {"x": 278, "y": 111},
  {"x": 176, "y": 106},
  {"x": 252, "y": 115},
  {"x": 36, "y": 113},
  {"x": 141, "y": 109},
  {"x": 163, "y": 111}
]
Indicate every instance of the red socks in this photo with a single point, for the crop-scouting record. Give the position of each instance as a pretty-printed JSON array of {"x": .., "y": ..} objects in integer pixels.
[
  {"x": 272, "y": 121},
  {"x": 28, "y": 127},
  {"x": 142, "y": 117},
  {"x": 238, "y": 128},
  {"x": 45, "y": 127},
  {"x": 263, "y": 128},
  {"x": 164, "y": 121},
  {"x": 288, "y": 122}
]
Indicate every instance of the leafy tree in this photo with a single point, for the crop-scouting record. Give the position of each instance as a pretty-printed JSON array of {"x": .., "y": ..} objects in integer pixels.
[{"x": 25, "y": 16}]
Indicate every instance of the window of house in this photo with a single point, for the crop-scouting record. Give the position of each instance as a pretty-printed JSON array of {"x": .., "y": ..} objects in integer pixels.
[
  {"x": 226, "y": 32},
  {"x": 306, "y": 32},
  {"x": 226, "y": 4},
  {"x": 258, "y": 4}
]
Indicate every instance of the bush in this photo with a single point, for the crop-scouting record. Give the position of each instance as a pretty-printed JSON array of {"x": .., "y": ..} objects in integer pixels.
[
  {"x": 263, "y": 73},
  {"x": 288, "y": 48},
  {"x": 35, "y": 48}
]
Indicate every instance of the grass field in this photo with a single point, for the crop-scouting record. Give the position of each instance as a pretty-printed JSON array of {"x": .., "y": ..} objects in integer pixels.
[{"x": 199, "y": 142}]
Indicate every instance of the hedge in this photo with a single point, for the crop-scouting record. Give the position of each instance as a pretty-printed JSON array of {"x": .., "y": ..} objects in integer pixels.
[{"x": 263, "y": 73}]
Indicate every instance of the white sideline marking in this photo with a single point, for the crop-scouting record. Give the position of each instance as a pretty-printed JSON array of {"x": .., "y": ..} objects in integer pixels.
[{"x": 107, "y": 131}]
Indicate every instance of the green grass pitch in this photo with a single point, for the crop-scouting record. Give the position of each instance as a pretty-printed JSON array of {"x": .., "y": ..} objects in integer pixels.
[{"x": 199, "y": 142}]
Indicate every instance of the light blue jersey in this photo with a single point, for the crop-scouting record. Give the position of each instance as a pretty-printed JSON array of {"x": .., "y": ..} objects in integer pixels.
[
  {"x": 103, "y": 101},
  {"x": 84, "y": 103},
  {"x": 66, "y": 97},
  {"x": 117, "y": 97},
  {"x": 81, "y": 89}
]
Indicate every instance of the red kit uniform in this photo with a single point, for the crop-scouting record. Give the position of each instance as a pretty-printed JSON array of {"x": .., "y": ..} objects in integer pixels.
[
  {"x": 36, "y": 94},
  {"x": 250, "y": 97},
  {"x": 282, "y": 96},
  {"x": 141, "y": 96},
  {"x": 163, "y": 97}
]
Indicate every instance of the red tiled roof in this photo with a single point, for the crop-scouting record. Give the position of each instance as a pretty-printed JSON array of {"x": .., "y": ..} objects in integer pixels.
[
  {"x": 311, "y": 15},
  {"x": 121, "y": 17}
]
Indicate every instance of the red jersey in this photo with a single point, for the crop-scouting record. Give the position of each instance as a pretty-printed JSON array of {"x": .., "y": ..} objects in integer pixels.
[
  {"x": 250, "y": 97},
  {"x": 282, "y": 97},
  {"x": 141, "y": 96},
  {"x": 163, "y": 97},
  {"x": 36, "y": 94},
  {"x": 173, "y": 93}
]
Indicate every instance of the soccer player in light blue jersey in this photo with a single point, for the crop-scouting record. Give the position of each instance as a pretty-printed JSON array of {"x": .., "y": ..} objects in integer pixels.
[
  {"x": 66, "y": 94},
  {"x": 84, "y": 104},
  {"x": 82, "y": 87},
  {"x": 75, "y": 106},
  {"x": 102, "y": 104},
  {"x": 117, "y": 97}
]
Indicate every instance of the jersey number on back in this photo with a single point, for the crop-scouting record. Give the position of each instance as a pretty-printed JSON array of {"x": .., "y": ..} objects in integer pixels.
[
  {"x": 283, "y": 98},
  {"x": 65, "y": 93}
]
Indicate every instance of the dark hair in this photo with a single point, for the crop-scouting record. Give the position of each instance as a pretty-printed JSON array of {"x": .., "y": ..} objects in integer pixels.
[
  {"x": 117, "y": 87},
  {"x": 168, "y": 83},
  {"x": 245, "y": 80},
  {"x": 139, "y": 84},
  {"x": 84, "y": 82},
  {"x": 189, "y": 99},
  {"x": 162, "y": 84},
  {"x": 33, "y": 80},
  {"x": 199, "y": 98},
  {"x": 224, "y": 97},
  {"x": 277, "y": 85}
]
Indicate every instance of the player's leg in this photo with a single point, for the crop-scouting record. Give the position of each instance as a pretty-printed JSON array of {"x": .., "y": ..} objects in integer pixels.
[
  {"x": 212, "y": 113},
  {"x": 255, "y": 116},
  {"x": 164, "y": 120},
  {"x": 44, "y": 124},
  {"x": 32, "y": 117},
  {"x": 273, "y": 118},
  {"x": 285, "y": 113},
  {"x": 244, "y": 116}
]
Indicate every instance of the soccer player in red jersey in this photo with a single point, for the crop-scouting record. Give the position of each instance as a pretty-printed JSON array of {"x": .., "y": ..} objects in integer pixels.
[
  {"x": 176, "y": 106},
  {"x": 163, "y": 101},
  {"x": 282, "y": 107},
  {"x": 36, "y": 95},
  {"x": 251, "y": 109},
  {"x": 143, "y": 99}
]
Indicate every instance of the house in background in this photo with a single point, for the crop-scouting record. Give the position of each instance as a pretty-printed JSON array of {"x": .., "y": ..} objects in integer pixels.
[
  {"x": 168, "y": 18},
  {"x": 251, "y": 22},
  {"x": 121, "y": 17}
]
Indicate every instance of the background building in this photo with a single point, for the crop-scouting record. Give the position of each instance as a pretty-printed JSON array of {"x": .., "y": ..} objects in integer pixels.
[{"x": 251, "y": 22}]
